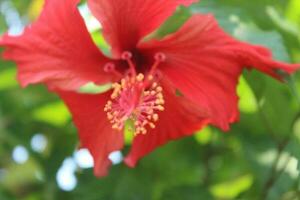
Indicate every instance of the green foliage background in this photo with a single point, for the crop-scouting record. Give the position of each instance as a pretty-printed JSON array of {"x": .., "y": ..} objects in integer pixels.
[{"x": 257, "y": 159}]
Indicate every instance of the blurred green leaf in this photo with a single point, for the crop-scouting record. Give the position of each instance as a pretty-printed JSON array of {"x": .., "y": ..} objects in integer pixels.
[
  {"x": 8, "y": 79},
  {"x": 174, "y": 22},
  {"x": 53, "y": 113},
  {"x": 91, "y": 88},
  {"x": 35, "y": 8},
  {"x": 204, "y": 136},
  {"x": 21, "y": 175},
  {"x": 272, "y": 40},
  {"x": 231, "y": 189},
  {"x": 186, "y": 192},
  {"x": 293, "y": 12},
  {"x": 100, "y": 41},
  {"x": 247, "y": 101}
]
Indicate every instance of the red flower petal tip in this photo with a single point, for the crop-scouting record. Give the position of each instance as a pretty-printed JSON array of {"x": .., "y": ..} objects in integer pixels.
[{"x": 130, "y": 162}]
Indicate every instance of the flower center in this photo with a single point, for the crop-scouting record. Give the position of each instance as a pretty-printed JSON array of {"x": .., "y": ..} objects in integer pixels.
[{"x": 136, "y": 98}]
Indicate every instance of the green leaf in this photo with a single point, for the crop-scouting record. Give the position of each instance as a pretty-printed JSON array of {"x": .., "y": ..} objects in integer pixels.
[
  {"x": 186, "y": 192},
  {"x": 293, "y": 12},
  {"x": 91, "y": 88},
  {"x": 231, "y": 189},
  {"x": 100, "y": 41},
  {"x": 204, "y": 136},
  {"x": 270, "y": 39},
  {"x": 8, "y": 79},
  {"x": 19, "y": 176},
  {"x": 174, "y": 22},
  {"x": 247, "y": 101},
  {"x": 52, "y": 113}
]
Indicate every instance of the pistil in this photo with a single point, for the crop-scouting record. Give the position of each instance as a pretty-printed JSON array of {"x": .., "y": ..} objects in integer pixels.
[
  {"x": 128, "y": 57},
  {"x": 137, "y": 98},
  {"x": 111, "y": 68}
]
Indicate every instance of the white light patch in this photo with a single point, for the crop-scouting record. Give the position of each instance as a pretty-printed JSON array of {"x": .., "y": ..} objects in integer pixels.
[
  {"x": 38, "y": 143},
  {"x": 65, "y": 176},
  {"x": 12, "y": 18},
  {"x": 20, "y": 154},
  {"x": 84, "y": 159},
  {"x": 91, "y": 22},
  {"x": 116, "y": 157},
  {"x": 286, "y": 161}
]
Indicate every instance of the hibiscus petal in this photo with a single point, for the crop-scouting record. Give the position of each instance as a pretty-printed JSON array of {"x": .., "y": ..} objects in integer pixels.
[
  {"x": 56, "y": 47},
  {"x": 126, "y": 22},
  {"x": 180, "y": 118},
  {"x": 205, "y": 63},
  {"x": 95, "y": 131}
]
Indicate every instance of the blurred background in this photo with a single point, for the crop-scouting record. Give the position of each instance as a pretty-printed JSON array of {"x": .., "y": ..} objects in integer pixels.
[{"x": 257, "y": 159}]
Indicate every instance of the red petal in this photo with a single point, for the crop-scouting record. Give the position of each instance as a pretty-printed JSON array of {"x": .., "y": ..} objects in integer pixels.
[
  {"x": 56, "y": 47},
  {"x": 180, "y": 118},
  {"x": 205, "y": 63},
  {"x": 94, "y": 129},
  {"x": 125, "y": 22}
]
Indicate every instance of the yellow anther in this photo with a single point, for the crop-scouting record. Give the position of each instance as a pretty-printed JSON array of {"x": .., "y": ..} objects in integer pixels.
[
  {"x": 136, "y": 123},
  {"x": 114, "y": 95},
  {"x": 159, "y": 89},
  {"x": 123, "y": 83},
  {"x": 160, "y": 102},
  {"x": 137, "y": 131},
  {"x": 160, "y": 96},
  {"x": 115, "y": 126},
  {"x": 110, "y": 116},
  {"x": 140, "y": 77},
  {"x": 143, "y": 130},
  {"x": 160, "y": 108},
  {"x": 116, "y": 85},
  {"x": 150, "y": 77},
  {"x": 145, "y": 123},
  {"x": 154, "y": 85},
  {"x": 124, "y": 118},
  {"x": 152, "y": 125},
  {"x": 155, "y": 117},
  {"x": 150, "y": 111}
]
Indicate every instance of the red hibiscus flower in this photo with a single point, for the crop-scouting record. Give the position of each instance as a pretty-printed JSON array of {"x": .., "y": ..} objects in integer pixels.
[{"x": 166, "y": 88}]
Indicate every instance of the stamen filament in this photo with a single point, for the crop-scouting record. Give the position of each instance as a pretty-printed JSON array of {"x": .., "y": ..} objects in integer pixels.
[
  {"x": 159, "y": 58},
  {"x": 132, "y": 100},
  {"x": 128, "y": 57},
  {"x": 136, "y": 97}
]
